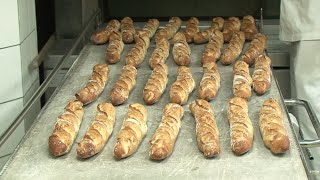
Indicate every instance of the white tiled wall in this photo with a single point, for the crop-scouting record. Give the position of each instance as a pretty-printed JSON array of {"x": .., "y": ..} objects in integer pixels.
[{"x": 27, "y": 21}]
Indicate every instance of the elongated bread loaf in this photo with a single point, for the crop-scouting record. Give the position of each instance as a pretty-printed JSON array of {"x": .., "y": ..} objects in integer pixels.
[
  {"x": 210, "y": 82},
  {"x": 230, "y": 25},
  {"x": 133, "y": 129},
  {"x": 234, "y": 48},
  {"x": 164, "y": 138},
  {"x": 182, "y": 87},
  {"x": 241, "y": 81},
  {"x": 272, "y": 128},
  {"x": 262, "y": 74},
  {"x": 115, "y": 48},
  {"x": 66, "y": 128},
  {"x": 102, "y": 36},
  {"x": 181, "y": 50},
  {"x": 204, "y": 36},
  {"x": 156, "y": 84},
  {"x": 99, "y": 131},
  {"x": 169, "y": 30},
  {"x": 249, "y": 28},
  {"x": 151, "y": 27},
  {"x": 121, "y": 90},
  {"x": 127, "y": 30},
  {"x": 206, "y": 128},
  {"x": 212, "y": 51},
  {"x": 256, "y": 48},
  {"x": 241, "y": 129},
  {"x": 191, "y": 29},
  {"x": 219, "y": 22},
  {"x": 160, "y": 54},
  {"x": 137, "y": 54},
  {"x": 95, "y": 85}
]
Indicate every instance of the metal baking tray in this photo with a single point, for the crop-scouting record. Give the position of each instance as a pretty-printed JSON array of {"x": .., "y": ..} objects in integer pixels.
[{"x": 32, "y": 160}]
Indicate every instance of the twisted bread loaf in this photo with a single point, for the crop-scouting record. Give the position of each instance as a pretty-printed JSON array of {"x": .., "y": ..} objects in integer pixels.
[
  {"x": 212, "y": 51},
  {"x": 102, "y": 36},
  {"x": 234, "y": 48},
  {"x": 137, "y": 54},
  {"x": 160, "y": 54},
  {"x": 262, "y": 74},
  {"x": 127, "y": 30},
  {"x": 210, "y": 82},
  {"x": 151, "y": 27},
  {"x": 249, "y": 27},
  {"x": 218, "y": 22},
  {"x": 169, "y": 30},
  {"x": 181, "y": 50},
  {"x": 191, "y": 29},
  {"x": 114, "y": 48},
  {"x": 256, "y": 48},
  {"x": 242, "y": 81},
  {"x": 204, "y": 36},
  {"x": 231, "y": 25}
]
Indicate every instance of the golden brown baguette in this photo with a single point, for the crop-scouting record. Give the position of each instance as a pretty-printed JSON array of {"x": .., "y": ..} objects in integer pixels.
[
  {"x": 133, "y": 129},
  {"x": 169, "y": 30},
  {"x": 114, "y": 48},
  {"x": 119, "y": 94},
  {"x": 241, "y": 81},
  {"x": 219, "y": 22},
  {"x": 249, "y": 28},
  {"x": 127, "y": 30},
  {"x": 204, "y": 36},
  {"x": 256, "y": 48},
  {"x": 181, "y": 50},
  {"x": 99, "y": 131},
  {"x": 102, "y": 36},
  {"x": 164, "y": 138},
  {"x": 137, "y": 54},
  {"x": 230, "y": 25},
  {"x": 156, "y": 84},
  {"x": 182, "y": 87},
  {"x": 210, "y": 82},
  {"x": 234, "y": 48},
  {"x": 241, "y": 129},
  {"x": 95, "y": 85},
  {"x": 206, "y": 128},
  {"x": 262, "y": 74},
  {"x": 160, "y": 54},
  {"x": 191, "y": 29},
  {"x": 272, "y": 128},
  {"x": 212, "y": 51},
  {"x": 66, "y": 128},
  {"x": 151, "y": 27}
]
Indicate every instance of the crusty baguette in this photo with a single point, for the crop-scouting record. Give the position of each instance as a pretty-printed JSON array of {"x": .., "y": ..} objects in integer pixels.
[
  {"x": 210, "y": 82},
  {"x": 99, "y": 131},
  {"x": 206, "y": 128},
  {"x": 115, "y": 48},
  {"x": 156, "y": 84},
  {"x": 164, "y": 138},
  {"x": 160, "y": 54},
  {"x": 119, "y": 94},
  {"x": 272, "y": 128},
  {"x": 204, "y": 36},
  {"x": 151, "y": 27},
  {"x": 241, "y": 81},
  {"x": 249, "y": 28},
  {"x": 181, "y": 50},
  {"x": 191, "y": 29},
  {"x": 169, "y": 30},
  {"x": 102, "y": 36},
  {"x": 230, "y": 25},
  {"x": 182, "y": 87},
  {"x": 256, "y": 48},
  {"x": 262, "y": 74},
  {"x": 234, "y": 48},
  {"x": 133, "y": 129},
  {"x": 95, "y": 85},
  {"x": 137, "y": 54},
  {"x": 127, "y": 30},
  {"x": 212, "y": 51},
  {"x": 66, "y": 128},
  {"x": 241, "y": 129},
  {"x": 219, "y": 22}
]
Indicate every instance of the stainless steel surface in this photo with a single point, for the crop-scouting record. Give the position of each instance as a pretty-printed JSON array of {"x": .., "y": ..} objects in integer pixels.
[{"x": 33, "y": 161}]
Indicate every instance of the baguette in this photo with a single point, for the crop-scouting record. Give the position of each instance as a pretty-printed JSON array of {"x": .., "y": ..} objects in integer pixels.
[
  {"x": 102, "y": 36},
  {"x": 204, "y": 36},
  {"x": 210, "y": 82},
  {"x": 114, "y": 48},
  {"x": 191, "y": 29},
  {"x": 127, "y": 30},
  {"x": 99, "y": 131},
  {"x": 95, "y": 85},
  {"x": 66, "y": 128},
  {"x": 160, "y": 54},
  {"x": 242, "y": 81},
  {"x": 182, "y": 87},
  {"x": 156, "y": 84},
  {"x": 169, "y": 30},
  {"x": 249, "y": 27},
  {"x": 272, "y": 128},
  {"x": 206, "y": 128},
  {"x": 256, "y": 48},
  {"x": 181, "y": 50},
  {"x": 133, "y": 129},
  {"x": 164, "y": 138},
  {"x": 234, "y": 48},
  {"x": 262, "y": 74},
  {"x": 151, "y": 27},
  {"x": 241, "y": 129},
  {"x": 212, "y": 51},
  {"x": 137, "y": 54},
  {"x": 230, "y": 26},
  {"x": 119, "y": 94},
  {"x": 219, "y": 22}
]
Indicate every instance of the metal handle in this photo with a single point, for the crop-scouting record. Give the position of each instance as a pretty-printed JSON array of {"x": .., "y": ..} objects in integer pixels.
[{"x": 313, "y": 118}]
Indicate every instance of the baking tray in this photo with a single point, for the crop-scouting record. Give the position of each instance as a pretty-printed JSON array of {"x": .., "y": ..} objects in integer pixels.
[{"x": 32, "y": 160}]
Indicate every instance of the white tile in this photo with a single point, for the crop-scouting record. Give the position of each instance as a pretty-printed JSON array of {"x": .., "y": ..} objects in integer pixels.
[
  {"x": 9, "y": 31},
  {"x": 27, "y": 17},
  {"x": 10, "y": 79}
]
